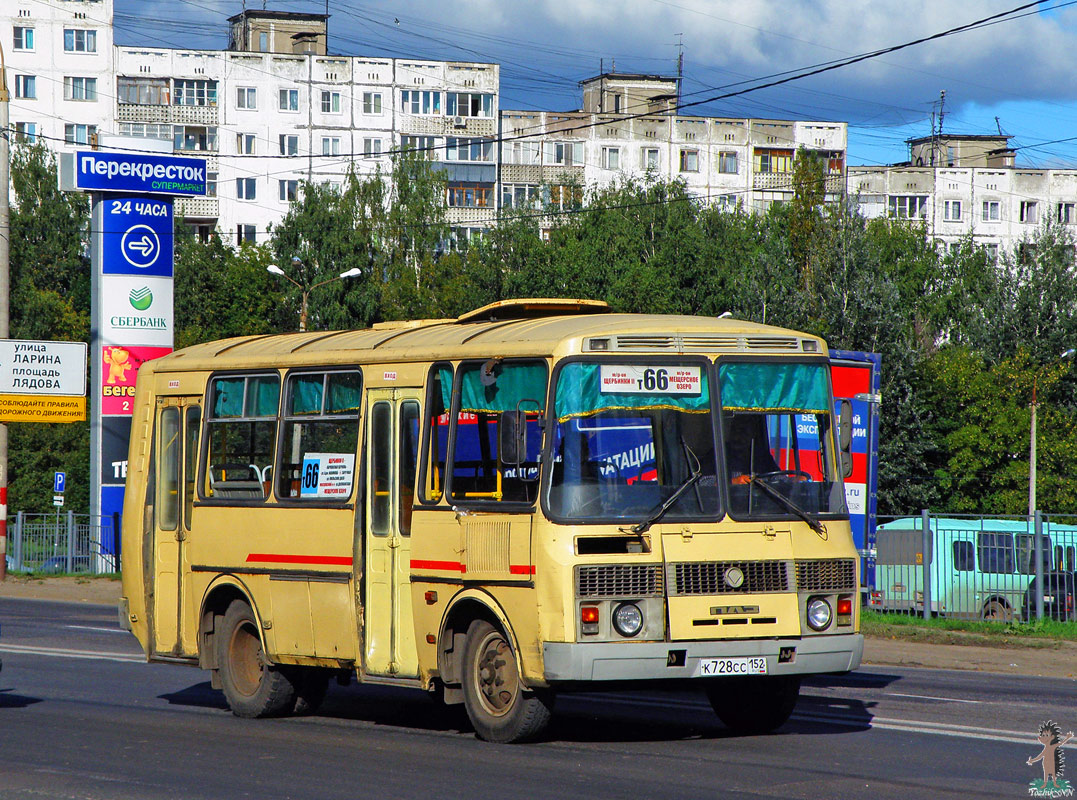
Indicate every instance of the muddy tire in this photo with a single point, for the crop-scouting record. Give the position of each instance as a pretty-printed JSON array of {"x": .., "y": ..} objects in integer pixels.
[
  {"x": 500, "y": 707},
  {"x": 253, "y": 686},
  {"x": 754, "y": 705},
  {"x": 998, "y": 611}
]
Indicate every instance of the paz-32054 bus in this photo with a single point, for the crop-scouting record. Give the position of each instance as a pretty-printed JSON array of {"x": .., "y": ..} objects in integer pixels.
[{"x": 536, "y": 497}]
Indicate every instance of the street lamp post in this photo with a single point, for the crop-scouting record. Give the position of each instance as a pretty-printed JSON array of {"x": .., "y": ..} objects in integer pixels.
[
  {"x": 1032, "y": 440},
  {"x": 304, "y": 290},
  {"x": 5, "y": 288}
]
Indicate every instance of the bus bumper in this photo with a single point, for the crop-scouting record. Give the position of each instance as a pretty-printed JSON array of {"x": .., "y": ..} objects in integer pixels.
[{"x": 629, "y": 661}]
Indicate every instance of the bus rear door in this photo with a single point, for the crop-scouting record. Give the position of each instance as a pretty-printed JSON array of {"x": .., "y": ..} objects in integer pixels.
[{"x": 391, "y": 451}]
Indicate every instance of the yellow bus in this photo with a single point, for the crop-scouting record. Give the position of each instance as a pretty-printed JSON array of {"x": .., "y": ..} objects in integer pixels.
[{"x": 537, "y": 497}]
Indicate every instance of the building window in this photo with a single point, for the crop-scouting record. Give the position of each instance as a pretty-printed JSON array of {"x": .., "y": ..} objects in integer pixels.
[
  {"x": 565, "y": 153},
  {"x": 80, "y": 41},
  {"x": 142, "y": 91},
  {"x": 689, "y": 161},
  {"x": 420, "y": 102},
  {"x": 1029, "y": 212},
  {"x": 246, "y": 190},
  {"x": 951, "y": 211},
  {"x": 194, "y": 137},
  {"x": 727, "y": 202},
  {"x": 26, "y": 87},
  {"x": 330, "y": 102},
  {"x": 649, "y": 158},
  {"x": 468, "y": 149},
  {"x": 611, "y": 157},
  {"x": 992, "y": 252},
  {"x": 289, "y": 144},
  {"x": 26, "y": 132},
  {"x": 330, "y": 145},
  {"x": 195, "y": 93},
  {"x": 244, "y": 233},
  {"x": 146, "y": 130},
  {"x": 288, "y": 99},
  {"x": 469, "y": 104},
  {"x": 427, "y": 144},
  {"x": 288, "y": 190},
  {"x": 211, "y": 184},
  {"x": 908, "y": 206},
  {"x": 79, "y": 134},
  {"x": 1066, "y": 213},
  {"x": 470, "y": 195},
  {"x": 371, "y": 147},
  {"x": 992, "y": 211},
  {"x": 263, "y": 45},
  {"x": 727, "y": 162},
  {"x": 80, "y": 88},
  {"x": 564, "y": 197},
  {"x": 247, "y": 98},
  {"x": 371, "y": 102},
  {"x": 24, "y": 38},
  {"x": 245, "y": 143},
  {"x": 773, "y": 161},
  {"x": 520, "y": 195},
  {"x": 522, "y": 152}
]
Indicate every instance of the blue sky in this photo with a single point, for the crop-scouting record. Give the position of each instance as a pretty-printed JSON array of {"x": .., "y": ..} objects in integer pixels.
[{"x": 1019, "y": 70}]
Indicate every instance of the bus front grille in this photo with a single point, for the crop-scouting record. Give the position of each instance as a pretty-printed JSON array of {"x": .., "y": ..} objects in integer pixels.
[
  {"x": 728, "y": 577},
  {"x": 619, "y": 580},
  {"x": 826, "y": 575}
]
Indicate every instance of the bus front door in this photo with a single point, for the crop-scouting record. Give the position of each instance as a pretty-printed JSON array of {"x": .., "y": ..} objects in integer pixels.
[
  {"x": 176, "y": 448},
  {"x": 392, "y": 440}
]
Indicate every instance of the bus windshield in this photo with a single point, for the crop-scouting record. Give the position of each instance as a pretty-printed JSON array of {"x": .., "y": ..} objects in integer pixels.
[
  {"x": 630, "y": 438},
  {"x": 776, "y": 432}
]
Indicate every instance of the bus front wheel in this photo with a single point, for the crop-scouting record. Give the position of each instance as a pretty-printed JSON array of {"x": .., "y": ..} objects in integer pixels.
[
  {"x": 754, "y": 704},
  {"x": 500, "y": 708},
  {"x": 253, "y": 686}
]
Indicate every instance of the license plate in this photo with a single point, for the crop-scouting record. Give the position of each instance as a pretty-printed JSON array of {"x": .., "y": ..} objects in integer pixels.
[{"x": 747, "y": 665}]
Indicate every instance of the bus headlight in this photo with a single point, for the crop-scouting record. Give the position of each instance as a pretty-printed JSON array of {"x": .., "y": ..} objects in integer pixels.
[
  {"x": 818, "y": 614},
  {"x": 628, "y": 619}
]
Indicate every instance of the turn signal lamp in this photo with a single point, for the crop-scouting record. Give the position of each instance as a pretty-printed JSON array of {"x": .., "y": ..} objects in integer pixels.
[
  {"x": 589, "y": 619},
  {"x": 845, "y": 609}
]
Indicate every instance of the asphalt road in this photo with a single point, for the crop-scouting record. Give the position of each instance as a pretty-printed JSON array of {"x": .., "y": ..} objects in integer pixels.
[{"x": 81, "y": 716}]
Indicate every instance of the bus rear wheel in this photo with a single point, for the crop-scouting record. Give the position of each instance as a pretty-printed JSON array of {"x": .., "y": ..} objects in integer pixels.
[
  {"x": 253, "y": 686},
  {"x": 755, "y": 704},
  {"x": 500, "y": 708},
  {"x": 997, "y": 610}
]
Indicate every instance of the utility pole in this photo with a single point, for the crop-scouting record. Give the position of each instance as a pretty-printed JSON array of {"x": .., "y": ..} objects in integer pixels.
[{"x": 5, "y": 287}]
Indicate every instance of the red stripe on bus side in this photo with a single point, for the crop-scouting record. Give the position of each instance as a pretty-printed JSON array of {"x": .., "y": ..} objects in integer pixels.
[
  {"x": 280, "y": 558},
  {"x": 452, "y": 566},
  {"x": 521, "y": 569}
]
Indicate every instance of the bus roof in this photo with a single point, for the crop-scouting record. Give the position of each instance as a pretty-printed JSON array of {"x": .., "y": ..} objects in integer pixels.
[
  {"x": 973, "y": 524},
  {"x": 508, "y": 328}
]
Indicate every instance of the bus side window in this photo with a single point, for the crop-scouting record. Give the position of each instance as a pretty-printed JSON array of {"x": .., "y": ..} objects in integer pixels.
[
  {"x": 1071, "y": 561},
  {"x": 963, "y": 560},
  {"x": 436, "y": 435},
  {"x": 995, "y": 552},
  {"x": 241, "y": 429}
]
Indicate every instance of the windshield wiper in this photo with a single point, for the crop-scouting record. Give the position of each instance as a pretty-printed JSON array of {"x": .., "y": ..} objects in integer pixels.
[
  {"x": 697, "y": 473},
  {"x": 813, "y": 523}
]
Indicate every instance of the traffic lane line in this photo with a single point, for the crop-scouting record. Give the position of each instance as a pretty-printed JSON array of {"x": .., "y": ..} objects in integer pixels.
[{"x": 59, "y": 652}]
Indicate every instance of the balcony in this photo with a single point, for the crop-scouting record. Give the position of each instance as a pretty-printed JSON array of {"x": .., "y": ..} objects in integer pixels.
[
  {"x": 196, "y": 207},
  {"x": 178, "y": 115}
]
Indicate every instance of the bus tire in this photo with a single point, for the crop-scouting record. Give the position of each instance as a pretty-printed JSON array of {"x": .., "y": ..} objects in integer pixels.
[
  {"x": 252, "y": 686},
  {"x": 500, "y": 708},
  {"x": 997, "y": 610},
  {"x": 754, "y": 704},
  {"x": 311, "y": 684}
]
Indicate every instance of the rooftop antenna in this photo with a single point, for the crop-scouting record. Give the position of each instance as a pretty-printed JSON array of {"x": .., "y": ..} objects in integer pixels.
[
  {"x": 680, "y": 65},
  {"x": 942, "y": 109},
  {"x": 999, "y": 126}
]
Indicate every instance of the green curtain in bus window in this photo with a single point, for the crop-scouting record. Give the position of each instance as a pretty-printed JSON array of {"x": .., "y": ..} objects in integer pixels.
[
  {"x": 444, "y": 375},
  {"x": 263, "y": 396},
  {"x": 579, "y": 395},
  {"x": 755, "y": 386},
  {"x": 228, "y": 397},
  {"x": 345, "y": 391},
  {"x": 515, "y": 382},
  {"x": 307, "y": 394}
]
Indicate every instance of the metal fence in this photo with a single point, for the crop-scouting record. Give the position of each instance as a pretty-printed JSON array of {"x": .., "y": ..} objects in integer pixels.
[
  {"x": 63, "y": 543},
  {"x": 1002, "y": 568}
]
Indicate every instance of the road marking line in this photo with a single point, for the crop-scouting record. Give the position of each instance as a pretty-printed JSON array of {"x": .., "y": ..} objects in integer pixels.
[
  {"x": 932, "y": 697},
  {"x": 92, "y": 628},
  {"x": 61, "y": 653}
]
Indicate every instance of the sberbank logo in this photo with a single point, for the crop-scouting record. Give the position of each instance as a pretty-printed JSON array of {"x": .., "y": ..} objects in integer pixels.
[{"x": 141, "y": 299}]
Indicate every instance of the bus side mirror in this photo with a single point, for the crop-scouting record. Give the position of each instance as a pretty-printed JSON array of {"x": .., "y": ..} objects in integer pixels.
[
  {"x": 512, "y": 437},
  {"x": 845, "y": 437}
]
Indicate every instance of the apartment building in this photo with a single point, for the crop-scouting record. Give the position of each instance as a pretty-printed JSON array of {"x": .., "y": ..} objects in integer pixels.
[
  {"x": 628, "y": 128},
  {"x": 973, "y": 190}
]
